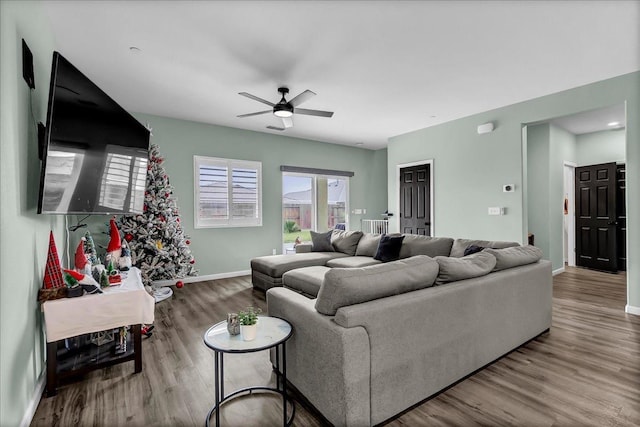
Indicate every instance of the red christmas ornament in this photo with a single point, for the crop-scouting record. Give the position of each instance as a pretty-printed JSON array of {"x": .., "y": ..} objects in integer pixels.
[
  {"x": 166, "y": 194},
  {"x": 188, "y": 242},
  {"x": 128, "y": 237},
  {"x": 178, "y": 219},
  {"x": 144, "y": 208},
  {"x": 193, "y": 261},
  {"x": 179, "y": 284}
]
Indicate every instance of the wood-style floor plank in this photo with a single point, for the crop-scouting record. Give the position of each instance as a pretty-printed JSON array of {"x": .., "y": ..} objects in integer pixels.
[{"x": 584, "y": 372}]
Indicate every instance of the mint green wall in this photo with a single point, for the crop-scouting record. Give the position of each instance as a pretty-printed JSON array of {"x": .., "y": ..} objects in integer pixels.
[
  {"x": 538, "y": 142},
  {"x": 562, "y": 148},
  {"x": 24, "y": 235},
  {"x": 470, "y": 168},
  {"x": 224, "y": 250},
  {"x": 601, "y": 147}
]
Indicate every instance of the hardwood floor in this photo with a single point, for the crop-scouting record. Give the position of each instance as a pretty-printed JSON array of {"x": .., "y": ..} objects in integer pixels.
[{"x": 584, "y": 372}]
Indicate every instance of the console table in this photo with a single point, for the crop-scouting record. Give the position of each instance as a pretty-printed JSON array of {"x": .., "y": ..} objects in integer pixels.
[
  {"x": 123, "y": 305},
  {"x": 273, "y": 332}
]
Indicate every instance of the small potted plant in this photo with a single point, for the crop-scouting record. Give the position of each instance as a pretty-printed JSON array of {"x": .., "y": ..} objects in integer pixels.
[{"x": 249, "y": 323}]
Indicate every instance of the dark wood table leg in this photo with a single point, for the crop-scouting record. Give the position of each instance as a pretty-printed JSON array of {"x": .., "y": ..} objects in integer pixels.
[
  {"x": 52, "y": 368},
  {"x": 137, "y": 347}
]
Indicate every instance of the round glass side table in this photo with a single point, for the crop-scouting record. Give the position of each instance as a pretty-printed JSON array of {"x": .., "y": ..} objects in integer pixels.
[{"x": 273, "y": 332}]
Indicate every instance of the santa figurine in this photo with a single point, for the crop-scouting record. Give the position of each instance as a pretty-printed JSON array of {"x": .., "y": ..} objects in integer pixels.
[
  {"x": 115, "y": 245},
  {"x": 81, "y": 262}
]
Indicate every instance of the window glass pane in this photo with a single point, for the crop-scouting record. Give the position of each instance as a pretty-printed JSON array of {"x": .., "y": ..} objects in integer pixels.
[
  {"x": 214, "y": 185},
  {"x": 337, "y": 201},
  {"x": 245, "y": 193}
]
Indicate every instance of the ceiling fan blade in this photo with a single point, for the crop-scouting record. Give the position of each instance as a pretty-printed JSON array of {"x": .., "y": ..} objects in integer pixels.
[
  {"x": 255, "y": 114},
  {"x": 313, "y": 112},
  {"x": 275, "y": 128},
  {"x": 303, "y": 97},
  {"x": 255, "y": 98},
  {"x": 287, "y": 122}
]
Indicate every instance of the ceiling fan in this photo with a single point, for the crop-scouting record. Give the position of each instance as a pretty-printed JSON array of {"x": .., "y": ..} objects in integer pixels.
[{"x": 286, "y": 109}]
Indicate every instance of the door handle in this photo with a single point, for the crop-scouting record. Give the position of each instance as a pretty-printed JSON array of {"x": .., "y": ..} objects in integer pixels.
[{"x": 427, "y": 223}]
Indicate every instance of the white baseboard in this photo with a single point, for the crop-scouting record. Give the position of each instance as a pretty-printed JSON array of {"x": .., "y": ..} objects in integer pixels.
[
  {"x": 557, "y": 271},
  {"x": 632, "y": 310},
  {"x": 193, "y": 279},
  {"x": 35, "y": 400}
]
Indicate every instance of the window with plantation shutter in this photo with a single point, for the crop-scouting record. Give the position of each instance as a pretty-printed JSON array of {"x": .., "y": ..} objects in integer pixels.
[
  {"x": 228, "y": 193},
  {"x": 123, "y": 180}
]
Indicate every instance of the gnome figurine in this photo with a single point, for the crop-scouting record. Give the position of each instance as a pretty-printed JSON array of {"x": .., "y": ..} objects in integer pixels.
[
  {"x": 125, "y": 257},
  {"x": 115, "y": 245},
  {"x": 82, "y": 264}
]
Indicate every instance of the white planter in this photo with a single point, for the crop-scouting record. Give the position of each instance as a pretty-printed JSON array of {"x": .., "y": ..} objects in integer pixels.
[{"x": 249, "y": 332}]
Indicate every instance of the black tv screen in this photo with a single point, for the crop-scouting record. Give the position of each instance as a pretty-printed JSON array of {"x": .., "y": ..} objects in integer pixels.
[{"x": 95, "y": 155}]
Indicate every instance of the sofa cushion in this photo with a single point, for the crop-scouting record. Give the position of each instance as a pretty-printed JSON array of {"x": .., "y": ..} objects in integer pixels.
[
  {"x": 352, "y": 262},
  {"x": 345, "y": 241},
  {"x": 348, "y": 286},
  {"x": 460, "y": 245},
  {"x": 389, "y": 248},
  {"x": 453, "y": 269},
  {"x": 515, "y": 256},
  {"x": 368, "y": 245},
  {"x": 321, "y": 242},
  {"x": 414, "y": 244},
  {"x": 306, "y": 280},
  {"x": 277, "y": 265}
]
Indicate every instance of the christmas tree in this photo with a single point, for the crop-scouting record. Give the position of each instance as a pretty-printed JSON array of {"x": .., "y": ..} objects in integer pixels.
[{"x": 159, "y": 246}]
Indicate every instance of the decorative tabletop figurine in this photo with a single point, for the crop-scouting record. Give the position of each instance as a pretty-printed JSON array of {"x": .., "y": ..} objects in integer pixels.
[{"x": 233, "y": 324}]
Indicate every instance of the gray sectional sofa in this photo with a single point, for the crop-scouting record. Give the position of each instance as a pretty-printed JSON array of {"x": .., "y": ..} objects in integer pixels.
[{"x": 370, "y": 341}]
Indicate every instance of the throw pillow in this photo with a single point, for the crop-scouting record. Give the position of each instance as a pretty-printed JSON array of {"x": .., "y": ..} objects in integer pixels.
[
  {"x": 472, "y": 249},
  {"x": 345, "y": 241},
  {"x": 389, "y": 248},
  {"x": 453, "y": 269},
  {"x": 321, "y": 242},
  {"x": 514, "y": 257}
]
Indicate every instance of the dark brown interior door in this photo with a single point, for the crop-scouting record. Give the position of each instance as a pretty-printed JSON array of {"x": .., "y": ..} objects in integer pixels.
[
  {"x": 622, "y": 217},
  {"x": 415, "y": 200},
  {"x": 596, "y": 217}
]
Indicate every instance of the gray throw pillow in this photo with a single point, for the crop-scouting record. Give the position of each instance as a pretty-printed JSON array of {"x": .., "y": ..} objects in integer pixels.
[
  {"x": 513, "y": 257},
  {"x": 368, "y": 245},
  {"x": 453, "y": 269},
  {"x": 345, "y": 241},
  {"x": 347, "y": 286},
  {"x": 321, "y": 242}
]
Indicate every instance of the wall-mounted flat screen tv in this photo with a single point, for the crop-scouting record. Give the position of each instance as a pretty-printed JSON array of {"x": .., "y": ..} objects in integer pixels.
[{"x": 95, "y": 153}]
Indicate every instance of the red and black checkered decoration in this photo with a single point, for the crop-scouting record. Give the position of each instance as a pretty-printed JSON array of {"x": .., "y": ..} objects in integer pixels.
[{"x": 53, "y": 271}]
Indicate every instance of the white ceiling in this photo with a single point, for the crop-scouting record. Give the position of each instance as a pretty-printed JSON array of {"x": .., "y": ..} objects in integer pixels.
[
  {"x": 608, "y": 118},
  {"x": 384, "y": 68}
]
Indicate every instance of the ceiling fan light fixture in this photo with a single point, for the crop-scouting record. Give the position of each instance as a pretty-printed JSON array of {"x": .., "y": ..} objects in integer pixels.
[{"x": 282, "y": 111}]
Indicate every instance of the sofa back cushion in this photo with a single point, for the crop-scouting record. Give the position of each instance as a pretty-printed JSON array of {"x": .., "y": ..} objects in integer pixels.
[
  {"x": 414, "y": 244},
  {"x": 345, "y": 241},
  {"x": 368, "y": 245},
  {"x": 454, "y": 269},
  {"x": 515, "y": 256},
  {"x": 347, "y": 286},
  {"x": 460, "y": 245}
]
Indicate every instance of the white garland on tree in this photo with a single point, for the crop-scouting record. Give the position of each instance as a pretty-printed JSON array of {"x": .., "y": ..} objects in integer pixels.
[{"x": 159, "y": 246}]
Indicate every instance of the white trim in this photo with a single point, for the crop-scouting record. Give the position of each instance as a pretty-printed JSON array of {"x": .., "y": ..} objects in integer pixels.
[
  {"x": 194, "y": 279},
  {"x": 571, "y": 217},
  {"x": 557, "y": 271},
  {"x": 632, "y": 310},
  {"x": 429, "y": 162},
  {"x": 35, "y": 400}
]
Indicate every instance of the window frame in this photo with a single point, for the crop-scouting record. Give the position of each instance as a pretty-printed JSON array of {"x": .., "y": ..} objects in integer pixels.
[{"x": 229, "y": 164}]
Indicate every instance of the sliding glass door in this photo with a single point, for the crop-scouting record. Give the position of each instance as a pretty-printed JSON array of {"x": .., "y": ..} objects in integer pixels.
[{"x": 312, "y": 202}]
